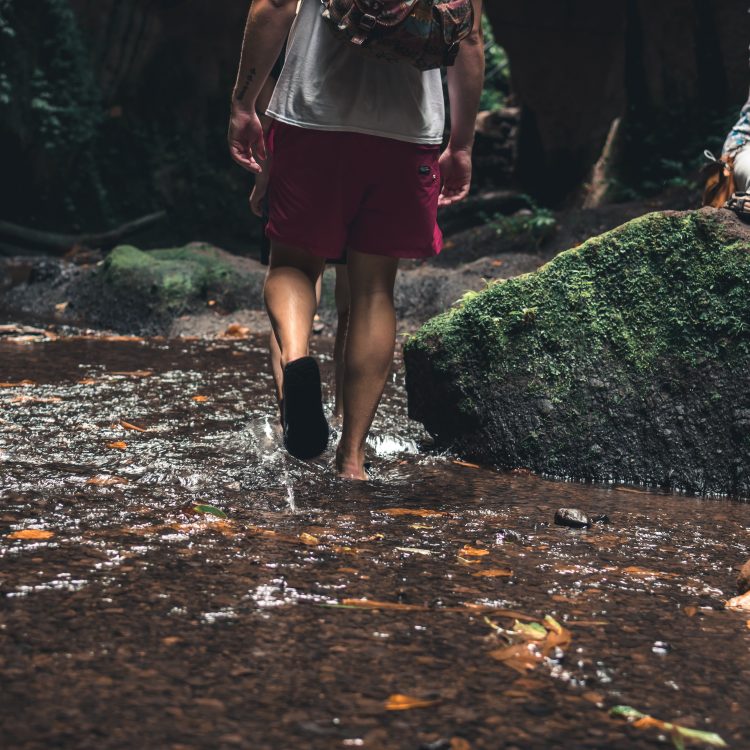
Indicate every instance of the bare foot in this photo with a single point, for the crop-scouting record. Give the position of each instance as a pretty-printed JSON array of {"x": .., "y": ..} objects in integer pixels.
[{"x": 350, "y": 468}]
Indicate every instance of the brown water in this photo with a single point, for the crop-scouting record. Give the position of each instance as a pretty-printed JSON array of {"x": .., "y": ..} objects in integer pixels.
[{"x": 141, "y": 623}]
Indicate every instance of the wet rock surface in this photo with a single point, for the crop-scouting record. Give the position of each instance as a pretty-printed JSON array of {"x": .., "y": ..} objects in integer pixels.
[
  {"x": 321, "y": 614},
  {"x": 625, "y": 359}
]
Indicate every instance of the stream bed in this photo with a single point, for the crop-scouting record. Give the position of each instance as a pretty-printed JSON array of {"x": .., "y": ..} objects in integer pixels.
[{"x": 170, "y": 578}]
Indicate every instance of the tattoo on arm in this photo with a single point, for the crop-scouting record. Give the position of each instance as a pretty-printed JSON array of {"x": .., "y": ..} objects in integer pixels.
[{"x": 246, "y": 85}]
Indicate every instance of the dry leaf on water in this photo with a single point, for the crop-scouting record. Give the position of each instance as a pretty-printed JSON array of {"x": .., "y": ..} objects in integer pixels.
[
  {"x": 31, "y": 534},
  {"x": 102, "y": 481},
  {"x": 129, "y": 426},
  {"x": 421, "y": 512},
  {"x": 308, "y": 539},
  {"x": 678, "y": 734},
  {"x": 19, "y": 384},
  {"x": 119, "y": 445},
  {"x": 200, "y": 399},
  {"x": 494, "y": 573},
  {"x": 530, "y": 643},
  {"x": 374, "y": 604},
  {"x": 400, "y": 702},
  {"x": 23, "y": 399},
  {"x": 134, "y": 373},
  {"x": 87, "y": 381},
  {"x": 473, "y": 552},
  {"x": 467, "y": 464},
  {"x": 739, "y": 602},
  {"x": 236, "y": 331}
]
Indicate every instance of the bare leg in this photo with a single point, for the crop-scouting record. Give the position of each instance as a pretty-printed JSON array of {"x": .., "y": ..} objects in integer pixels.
[
  {"x": 291, "y": 300},
  {"x": 368, "y": 355},
  {"x": 275, "y": 350},
  {"x": 342, "y": 310}
]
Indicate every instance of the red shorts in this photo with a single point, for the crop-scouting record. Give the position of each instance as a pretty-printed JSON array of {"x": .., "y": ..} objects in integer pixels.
[{"x": 331, "y": 192}]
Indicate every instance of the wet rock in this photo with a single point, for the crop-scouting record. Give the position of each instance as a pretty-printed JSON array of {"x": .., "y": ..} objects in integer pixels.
[
  {"x": 743, "y": 579},
  {"x": 604, "y": 334},
  {"x": 572, "y": 517}
]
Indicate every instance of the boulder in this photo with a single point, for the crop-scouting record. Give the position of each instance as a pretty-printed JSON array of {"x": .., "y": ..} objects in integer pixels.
[
  {"x": 626, "y": 359},
  {"x": 144, "y": 291}
]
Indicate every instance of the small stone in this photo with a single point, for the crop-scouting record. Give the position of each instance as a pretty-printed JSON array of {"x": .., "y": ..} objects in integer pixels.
[
  {"x": 600, "y": 518},
  {"x": 572, "y": 517},
  {"x": 743, "y": 579}
]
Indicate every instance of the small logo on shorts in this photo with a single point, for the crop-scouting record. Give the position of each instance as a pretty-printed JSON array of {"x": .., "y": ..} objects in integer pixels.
[{"x": 424, "y": 169}]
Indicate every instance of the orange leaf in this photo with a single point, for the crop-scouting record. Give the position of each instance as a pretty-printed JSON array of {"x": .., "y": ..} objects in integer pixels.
[
  {"x": 129, "y": 426},
  {"x": 421, "y": 512},
  {"x": 374, "y": 604},
  {"x": 200, "y": 399},
  {"x": 522, "y": 657},
  {"x": 400, "y": 702},
  {"x": 120, "y": 445},
  {"x": 309, "y": 539},
  {"x": 19, "y": 384},
  {"x": 494, "y": 573},
  {"x": 466, "y": 464},
  {"x": 473, "y": 552},
  {"x": 103, "y": 481},
  {"x": 87, "y": 381},
  {"x": 31, "y": 534},
  {"x": 739, "y": 602},
  {"x": 236, "y": 331}
]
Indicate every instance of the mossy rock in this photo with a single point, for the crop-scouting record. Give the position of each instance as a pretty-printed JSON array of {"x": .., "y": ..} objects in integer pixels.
[
  {"x": 626, "y": 359},
  {"x": 146, "y": 290}
]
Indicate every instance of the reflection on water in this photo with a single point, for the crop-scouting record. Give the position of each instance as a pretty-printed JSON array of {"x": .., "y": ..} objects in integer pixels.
[{"x": 288, "y": 614}]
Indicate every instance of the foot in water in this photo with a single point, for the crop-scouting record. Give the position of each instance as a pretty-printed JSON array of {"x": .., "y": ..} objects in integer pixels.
[
  {"x": 305, "y": 426},
  {"x": 351, "y": 468}
]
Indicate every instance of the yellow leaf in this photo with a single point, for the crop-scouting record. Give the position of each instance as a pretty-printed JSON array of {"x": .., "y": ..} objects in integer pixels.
[
  {"x": 494, "y": 573},
  {"x": 119, "y": 445},
  {"x": 400, "y": 702},
  {"x": 473, "y": 552},
  {"x": 31, "y": 534},
  {"x": 308, "y": 539},
  {"x": 421, "y": 512},
  {"x": 200, "y": 399}
]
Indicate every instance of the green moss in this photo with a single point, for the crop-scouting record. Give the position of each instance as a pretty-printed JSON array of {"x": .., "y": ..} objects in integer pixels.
[{"x": 660, "y": 284}]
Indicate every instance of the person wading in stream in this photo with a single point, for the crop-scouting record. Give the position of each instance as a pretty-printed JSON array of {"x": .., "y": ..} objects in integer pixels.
[{"x": 357, "y": 173}]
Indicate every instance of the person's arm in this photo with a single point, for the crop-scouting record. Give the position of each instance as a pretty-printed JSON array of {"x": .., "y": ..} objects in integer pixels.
[
  {"x": 260, "y": 187},
  {"x": 268, "y": 24},
  {"x": 465, "y": 82}
]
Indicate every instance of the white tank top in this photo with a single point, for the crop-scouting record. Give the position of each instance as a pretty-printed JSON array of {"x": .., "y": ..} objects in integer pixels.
[{"x": 327, "y": 84}]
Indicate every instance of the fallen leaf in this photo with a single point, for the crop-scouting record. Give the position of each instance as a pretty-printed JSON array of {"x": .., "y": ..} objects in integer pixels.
[
  {"x": 87, "y": 381},
  {"x": 309, "y": 539},
  {"x": 473, "y": 552},
  {"x": 634, "y": 570},
  {"x": 494, "y": 573},
  {"x": 375, "y": 604},
  {"x": 119, "y": 445},
  {"x": 210, "y": 510},
  {"x": 118, "y": 337},
  {"x": 171, "y": 640},
  {"x": 530, "y": 631},
  {"x": 421, "y": 512},
  {"x": 459, "y": 743},
  {"x": 129, "y": 426},
  {"x": 133, "y": 373},
  {"x": 236, "y": 331},
  {"x": 739, "y": 602},
  {"x": 522, "y": 657},
  {"x": 677, "y": 733},
  {"x": 690, "y": 610},
  {"x": 468, "y": 560},
  {"x": 104, "y": 481},
  {"x": 19, "y": 384},
  {"x": 466, "y": 464},
  {"x": 23, "y": 399},
  {"x": 414, "y": 550},
  {"x": 31, "y": 534},
  {"x": 61, "y": 307},
  {"x": 399, "y": 702},
  {"x": 200, "y": 399}
]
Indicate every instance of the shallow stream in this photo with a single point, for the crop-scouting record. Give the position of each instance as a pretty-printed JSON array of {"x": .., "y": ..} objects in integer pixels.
[{"x": 316, "y": 613}]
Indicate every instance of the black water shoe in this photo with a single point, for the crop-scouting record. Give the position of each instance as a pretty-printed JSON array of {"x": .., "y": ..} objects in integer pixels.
[{"x": 305, "y": 425}]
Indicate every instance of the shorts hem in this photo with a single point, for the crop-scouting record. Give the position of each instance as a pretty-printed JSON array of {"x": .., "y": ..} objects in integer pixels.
[
  {"x": 409, "y": 254},
  {"x": 304, "y": 245}
]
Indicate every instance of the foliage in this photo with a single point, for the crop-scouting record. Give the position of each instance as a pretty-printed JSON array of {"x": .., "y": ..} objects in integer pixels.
[{"x": 536, "y": 223}]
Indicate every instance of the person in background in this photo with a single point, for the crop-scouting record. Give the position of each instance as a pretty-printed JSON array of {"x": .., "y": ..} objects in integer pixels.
[{"x": 357, "y": 173}]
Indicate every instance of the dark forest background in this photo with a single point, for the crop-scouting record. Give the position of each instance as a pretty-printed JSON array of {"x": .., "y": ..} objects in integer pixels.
[{"x": 112, "y": 109}]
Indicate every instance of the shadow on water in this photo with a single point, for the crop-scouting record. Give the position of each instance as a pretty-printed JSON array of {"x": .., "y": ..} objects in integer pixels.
[{"x": 129, "y": 616}]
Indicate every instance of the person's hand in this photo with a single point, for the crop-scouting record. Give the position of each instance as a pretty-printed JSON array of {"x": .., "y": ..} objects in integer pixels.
[
  {"x": 246, "y": 143},
  {"x": 260, "y": 189},
  {"x": 455, "y": 171}
]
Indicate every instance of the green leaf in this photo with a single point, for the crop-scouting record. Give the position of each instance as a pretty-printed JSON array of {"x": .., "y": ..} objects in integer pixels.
[
  {"x": 532, "y": 630},
  {"x": 707, "y": 738},
  {"x": 210, "y": 510},
  {"x": 627, "y": 712}
]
